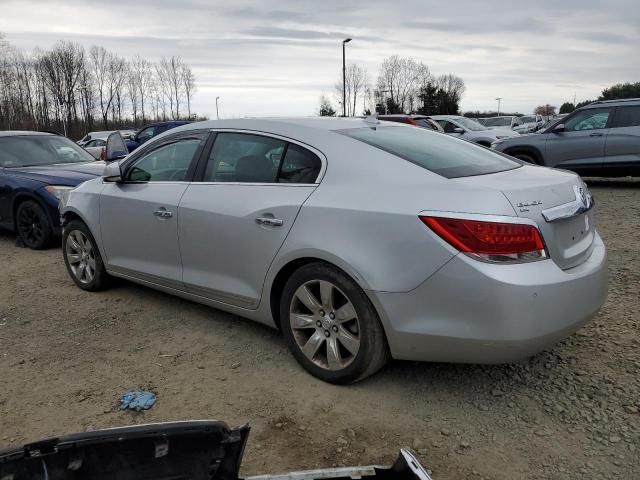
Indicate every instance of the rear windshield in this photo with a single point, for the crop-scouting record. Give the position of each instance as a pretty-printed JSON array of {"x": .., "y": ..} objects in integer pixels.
[{"x": 438, "y": 153}]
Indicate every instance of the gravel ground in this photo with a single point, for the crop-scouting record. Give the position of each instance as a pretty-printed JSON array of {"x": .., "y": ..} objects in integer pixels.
[{"x": 571, "y": 412}]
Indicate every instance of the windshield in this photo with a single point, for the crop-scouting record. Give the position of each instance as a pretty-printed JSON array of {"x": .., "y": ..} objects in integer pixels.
[
  {"x": 498, "y": 122},
  {"x": 528, "y": 119},
  {"x": 31, "y": 150},
  {"x": 469, "y": 123},
  {"x": 437, "y": 153}
]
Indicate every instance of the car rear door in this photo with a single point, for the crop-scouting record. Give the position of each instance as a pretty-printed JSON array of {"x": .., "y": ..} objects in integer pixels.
[
  {"x": 622, "y": 148},
  {"x": 139, "y": 216},
  {"x": 235, "y": 219},
  {"x": 581, "y": 146}
]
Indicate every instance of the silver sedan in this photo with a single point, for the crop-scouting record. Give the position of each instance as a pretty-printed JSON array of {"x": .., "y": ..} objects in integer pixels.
[{"x": 360, "y": 240}]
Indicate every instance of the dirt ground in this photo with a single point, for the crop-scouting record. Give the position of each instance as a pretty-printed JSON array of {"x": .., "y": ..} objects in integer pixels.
[{"x": 66, "y": 356}]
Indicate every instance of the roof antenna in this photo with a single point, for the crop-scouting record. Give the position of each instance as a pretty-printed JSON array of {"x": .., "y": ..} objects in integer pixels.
[{"x": 373, "y": 119}]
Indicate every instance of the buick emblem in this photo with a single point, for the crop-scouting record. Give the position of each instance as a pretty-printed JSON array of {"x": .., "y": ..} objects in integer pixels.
[{"x": 583, "y": 197}]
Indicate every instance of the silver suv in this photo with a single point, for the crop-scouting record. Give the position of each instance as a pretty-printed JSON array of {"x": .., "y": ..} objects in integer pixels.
[{"x": 602, "y": 139}]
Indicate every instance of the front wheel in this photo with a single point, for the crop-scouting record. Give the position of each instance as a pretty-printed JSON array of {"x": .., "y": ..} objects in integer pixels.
[
  {"x": 33, "y": 225},
  {"x": 331, "y": 326},
  {"x": 527, "y": 158},
  {"x": 82, "y": 257}
]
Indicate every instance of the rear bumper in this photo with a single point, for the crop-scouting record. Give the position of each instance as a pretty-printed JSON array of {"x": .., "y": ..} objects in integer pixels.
[{"x": 474, "y": 312}]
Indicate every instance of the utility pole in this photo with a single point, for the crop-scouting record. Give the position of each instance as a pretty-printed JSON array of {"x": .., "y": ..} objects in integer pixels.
[
  {"x": 499, "y": 99},
  {"x": 344, "y": 78}
]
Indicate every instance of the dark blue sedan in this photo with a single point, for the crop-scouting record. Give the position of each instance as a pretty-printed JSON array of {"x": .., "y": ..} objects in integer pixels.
[{"x": 35, "y": 169}]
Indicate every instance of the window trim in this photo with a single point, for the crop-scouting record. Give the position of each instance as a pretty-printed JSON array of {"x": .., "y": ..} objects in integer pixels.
[
  {"x": 202, "y": 164},
  {"x": 202, "y": 135},
  {"x": 607, "y": 125}
]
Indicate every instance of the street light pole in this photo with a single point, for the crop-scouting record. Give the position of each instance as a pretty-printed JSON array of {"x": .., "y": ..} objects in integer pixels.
[
  {"x": 217, "y": 114},
  {"x": 499, "y": 99},
  {"x": 344, "y": 78}
]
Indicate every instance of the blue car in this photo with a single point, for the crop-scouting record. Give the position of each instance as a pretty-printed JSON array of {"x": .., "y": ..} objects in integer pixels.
[
  {"x": 35, "y": 169},
  {"x": 147, "y": 132}
]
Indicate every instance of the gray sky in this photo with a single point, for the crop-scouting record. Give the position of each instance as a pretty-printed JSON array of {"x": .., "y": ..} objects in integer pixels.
[{"x": 275, "y": 57}]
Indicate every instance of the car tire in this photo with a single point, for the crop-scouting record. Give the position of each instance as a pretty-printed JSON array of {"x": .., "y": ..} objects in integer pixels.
[
  {"x": 82, "y": 257},
  {"x": 33, "y": 225},
  {"x": 331, "y": 326},
  {"x": 527, "y": 158}
]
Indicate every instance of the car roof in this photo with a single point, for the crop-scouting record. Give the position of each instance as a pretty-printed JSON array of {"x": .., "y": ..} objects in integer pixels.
[
  {"x": 627, "y": 102},
  {"x": 23, "y": 133},
  {"x": 315, "y": 123}
]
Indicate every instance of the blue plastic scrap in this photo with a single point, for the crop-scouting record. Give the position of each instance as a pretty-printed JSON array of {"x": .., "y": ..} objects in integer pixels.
[{"x": 137, "y": 401}]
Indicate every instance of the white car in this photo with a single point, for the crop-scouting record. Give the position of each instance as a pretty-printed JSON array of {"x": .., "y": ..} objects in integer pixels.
[{"x": 471, "y": 130}]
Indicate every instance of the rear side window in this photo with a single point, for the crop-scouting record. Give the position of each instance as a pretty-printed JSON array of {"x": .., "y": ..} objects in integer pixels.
[
  {"x": 627, "y": 117},
  {"x": 437, "y": 153},
  {"x": 249, "y": 158},
  {"x": 299, "y": 166}
]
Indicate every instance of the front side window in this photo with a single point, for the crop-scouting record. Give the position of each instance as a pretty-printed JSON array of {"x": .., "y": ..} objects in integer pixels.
[
  {"x": 448, "y": 126},
  {"x": 439, "y": 154},
  {"x": 246, "y": 158},
  {"x": 592, "y": 119},
  {"x": 627, "y": 117},
  {"x": 168, "y": 163},
  {"x": 146, "y": 134}
]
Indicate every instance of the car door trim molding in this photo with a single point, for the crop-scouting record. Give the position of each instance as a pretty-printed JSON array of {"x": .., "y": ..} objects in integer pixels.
[
  {"x": 222, "y": 297},
  {"x": 582, "y": 203},
  {"x": 146, "y": 277}
]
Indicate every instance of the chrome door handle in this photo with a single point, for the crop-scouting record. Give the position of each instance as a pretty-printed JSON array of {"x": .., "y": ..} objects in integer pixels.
[
  {"x": 163, "y": 213},
  {"x": 595, "y": 134},
  {"x": 272, "y": 222}
]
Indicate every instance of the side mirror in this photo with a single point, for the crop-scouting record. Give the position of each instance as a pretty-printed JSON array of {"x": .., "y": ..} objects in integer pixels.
[
  {"x": 116, "y": 147},
  {"x": 112, "y": 172},
  {"x": 558, "y": 128},
  {"x": 458, "y": 130}
]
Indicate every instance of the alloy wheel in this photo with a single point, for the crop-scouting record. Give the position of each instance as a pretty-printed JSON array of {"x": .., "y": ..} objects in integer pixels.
[
  {"x": 81, "y": 257},
  {"x": 30, "y": 226},
  {"x": 325, "y": 324}
]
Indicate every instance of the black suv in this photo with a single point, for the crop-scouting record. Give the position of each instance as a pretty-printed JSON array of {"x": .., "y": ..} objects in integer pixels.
[{"x": 600, "y": 139}]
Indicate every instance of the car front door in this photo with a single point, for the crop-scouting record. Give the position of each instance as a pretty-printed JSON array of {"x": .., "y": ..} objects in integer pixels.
[
  {"x": 234, "y": 221},
  {"x": 580, "y": 146},
  {"x": 139, "y": 216},
  {"x": 623, "y": 143}
]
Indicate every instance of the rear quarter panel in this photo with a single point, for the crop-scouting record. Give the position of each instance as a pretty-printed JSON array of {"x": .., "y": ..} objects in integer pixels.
[{"x": 364, "y": 216}]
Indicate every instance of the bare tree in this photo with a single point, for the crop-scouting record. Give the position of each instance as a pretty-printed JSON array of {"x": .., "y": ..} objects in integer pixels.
[
  {"x": 141, "y": 69},
  {"x": 357, "y": 79},
  {"x": 399, "y": 81},
  {"x": 188, "y": 86}
]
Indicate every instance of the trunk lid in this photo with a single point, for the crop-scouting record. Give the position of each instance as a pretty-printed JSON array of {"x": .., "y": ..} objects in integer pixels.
[{"x": 533, "y": 190}]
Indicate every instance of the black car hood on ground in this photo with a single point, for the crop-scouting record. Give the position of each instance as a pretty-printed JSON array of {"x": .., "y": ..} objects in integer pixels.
[
  {"x": 197, "y": 450},
  {"x": 70, "y": 174}
]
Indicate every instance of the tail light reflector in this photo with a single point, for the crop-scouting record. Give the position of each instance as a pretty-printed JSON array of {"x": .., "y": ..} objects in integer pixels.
[{"x": 490, "y": 241}]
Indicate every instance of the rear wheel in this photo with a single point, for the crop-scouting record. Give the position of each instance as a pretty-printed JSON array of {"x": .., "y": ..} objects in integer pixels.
[
  {"x": 33, "y": 225},
  {"x": 82, "y": 257},
  {"x": 331, "y": 326}
]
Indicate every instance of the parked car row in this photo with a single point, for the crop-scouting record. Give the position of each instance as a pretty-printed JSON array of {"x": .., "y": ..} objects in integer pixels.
[
  {"x": 95, "y": 142},
  {"x": 601, "y": 139}
]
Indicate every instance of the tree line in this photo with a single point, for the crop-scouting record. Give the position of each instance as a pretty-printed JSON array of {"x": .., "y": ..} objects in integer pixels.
[
  {"x": 403, "y": 85},
  {"x": 71, "y": 90}
]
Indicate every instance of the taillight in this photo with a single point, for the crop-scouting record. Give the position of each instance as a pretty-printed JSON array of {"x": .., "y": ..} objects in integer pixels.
[
  {"x": 411, "y": 121},
  {"x": 490, "y": 241}
]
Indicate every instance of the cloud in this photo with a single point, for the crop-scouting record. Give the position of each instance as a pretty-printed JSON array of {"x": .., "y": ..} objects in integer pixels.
[{"x": 277, "y": 57}]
